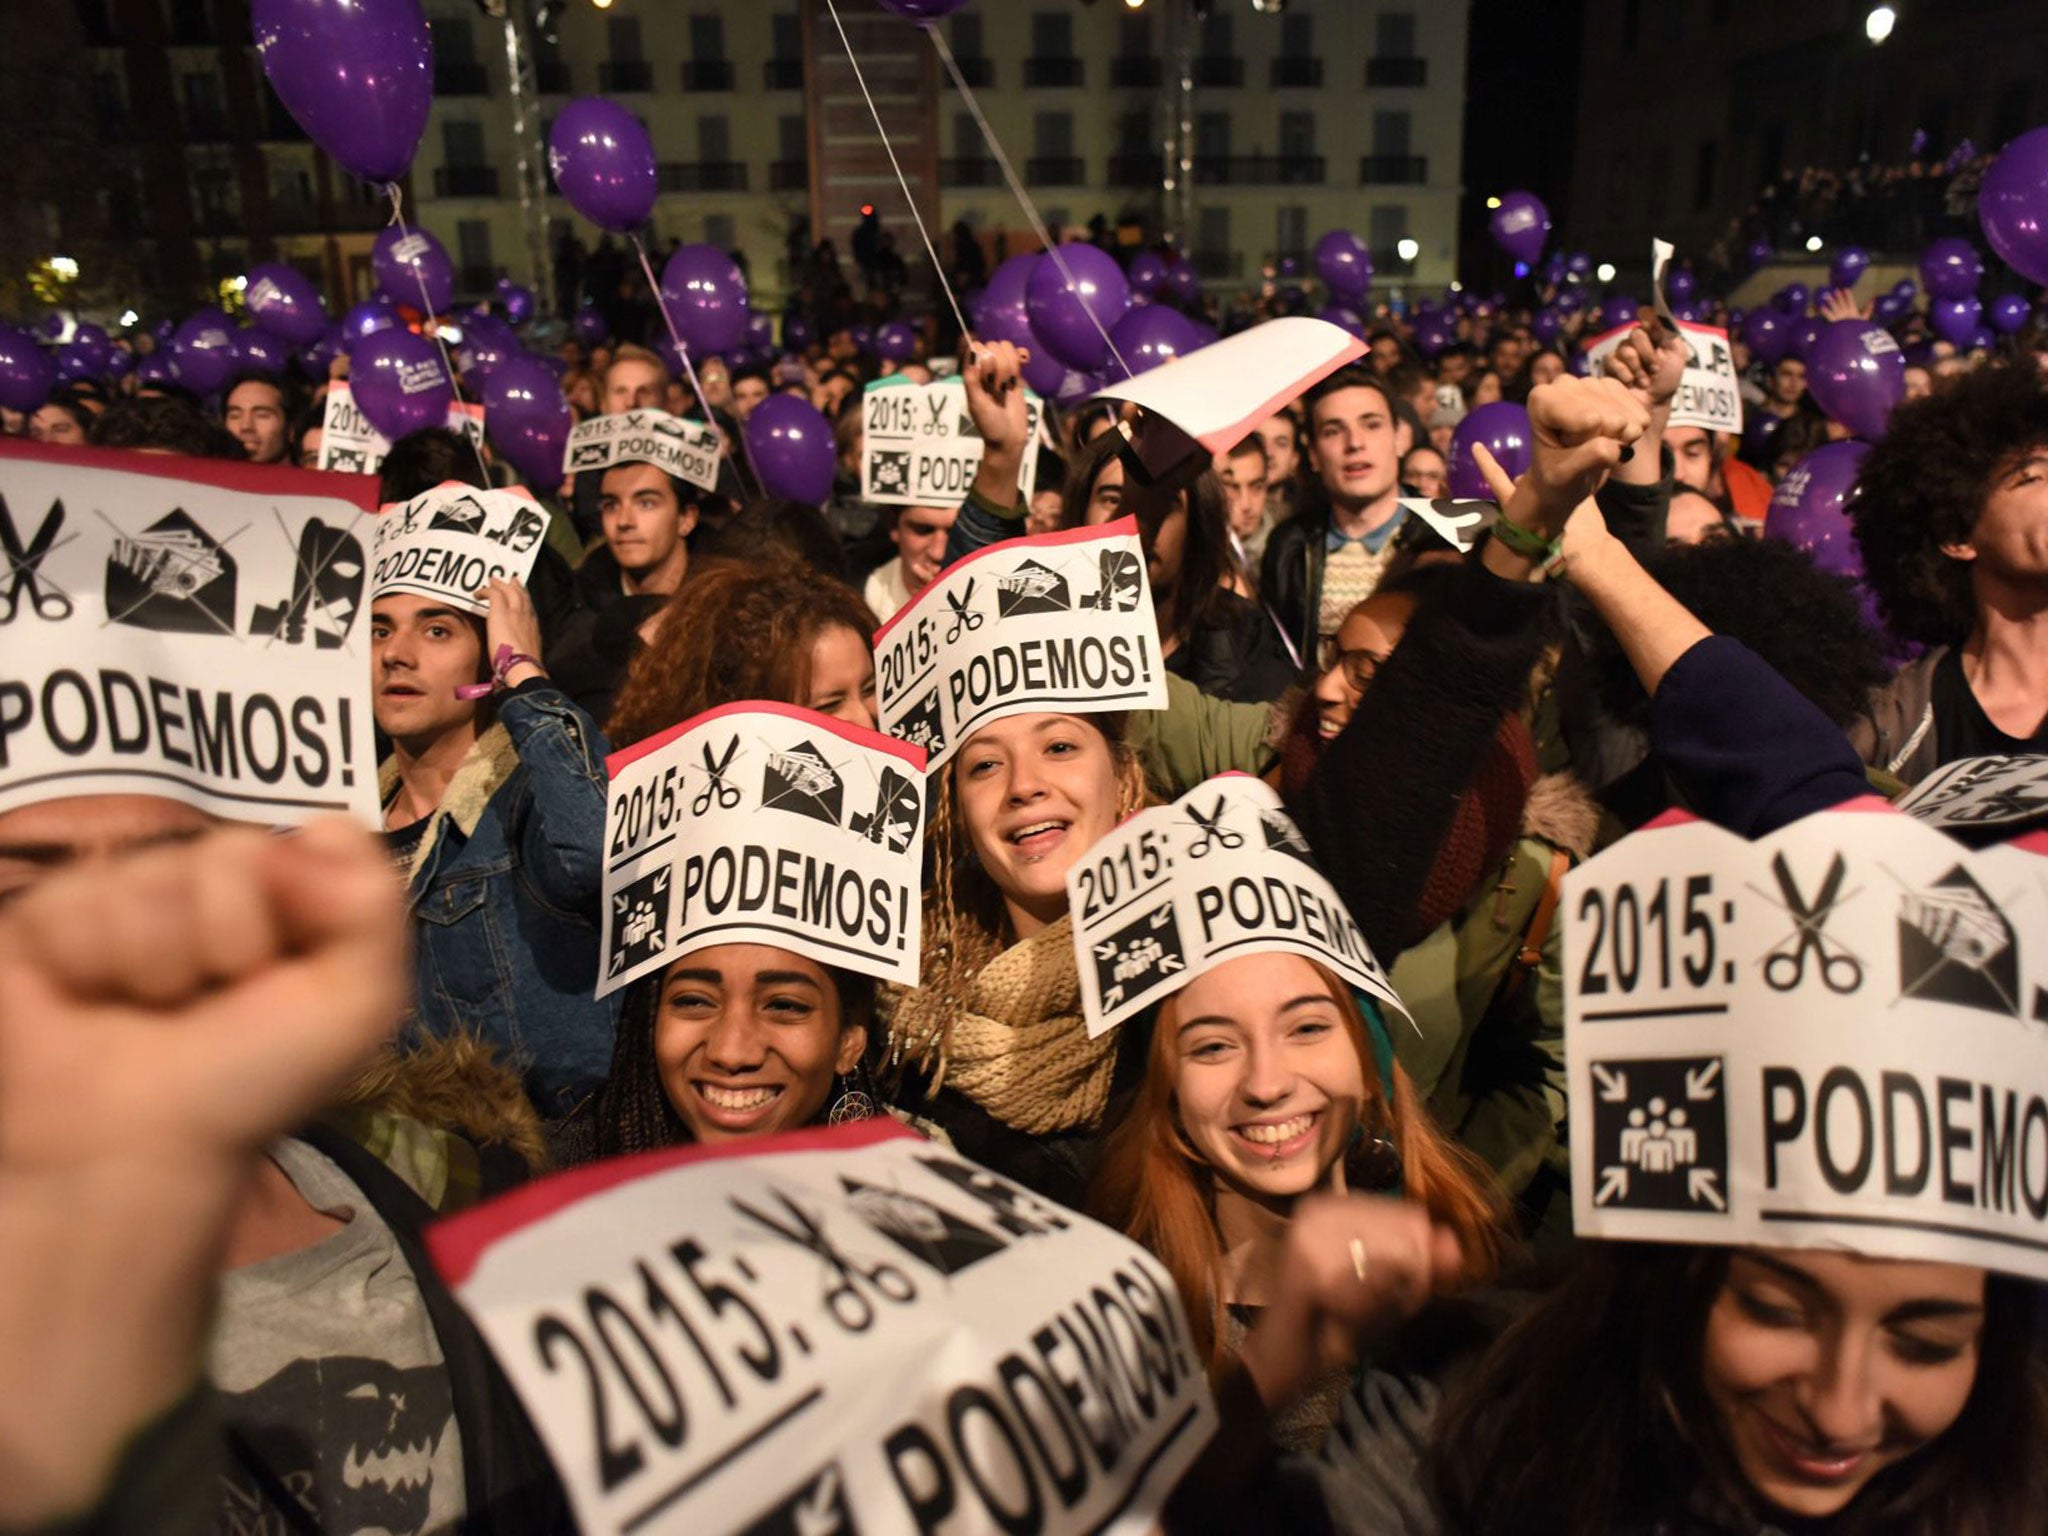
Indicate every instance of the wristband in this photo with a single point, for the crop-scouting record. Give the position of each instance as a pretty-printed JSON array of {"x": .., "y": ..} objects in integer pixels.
[
  {"x": 1531, "y": 546},
  {"x": 502, "y": 663}
]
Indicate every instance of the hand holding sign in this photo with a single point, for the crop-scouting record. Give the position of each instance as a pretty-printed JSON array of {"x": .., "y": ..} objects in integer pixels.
[
  {"x": 1649, "y": 366},
  {"x": 511, "y": 625}
]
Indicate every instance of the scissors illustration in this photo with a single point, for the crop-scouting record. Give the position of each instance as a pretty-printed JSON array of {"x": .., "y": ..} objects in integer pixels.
[
  {"x": 1213, "y": 831},
  {"x": 727, "y": 795},
  {"x": 964, "y": 619},
  {"x": 1784, "y": 968},
  {"x": 24, "y": 568}
]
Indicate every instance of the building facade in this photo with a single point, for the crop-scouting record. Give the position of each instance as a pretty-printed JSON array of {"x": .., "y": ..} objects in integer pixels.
[{"x": 1332, "y": 113}]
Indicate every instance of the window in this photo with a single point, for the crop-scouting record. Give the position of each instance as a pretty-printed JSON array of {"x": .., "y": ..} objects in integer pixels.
[
  {"x": 1387, "y": 227},
  {"x": 707, "y": 37},
  {"x": 292, "y": 184},
  {"x": 967, "y": 34},
  {"x": 1297, "y": 35},
  {"x": 966, "y": 137},
  {"x": 1212, "y": 231},
  {"x": 789, "y": 35},
  {"x": 463, "y": 143},
  {"x": 1631, "y": 25},
  {"x": 1052, "y": 135},
  {"x": 1297, "y": 135},
  {"x": 1212, "y": 135},
  {"x": 1291, "y": 237},
  {"x": 1134, "y": 133},
  {"x": 714, "y": 138},
  {"x": 1394, "y": 36},
  {"x": 454, "y": 40},
  {"x": 1390, "y": 132},
  {"x": 719, "y": 230},
  {"x": 792, "y": 138},
  {"x": 204, "y": 107},
  {"x": 473, "y": 245},
  {"x": 213, "y": 194},
  {"x": 1134, "y": 35},
  {"x": 189, "y": 22},
  {"x": 109, "y": 98},
  {"x": 623, "y": 35},
  {"x": 1216, "y": 36},
  {"x": 1052, "y": 35},
  {"x": 1703, "y": 175}
]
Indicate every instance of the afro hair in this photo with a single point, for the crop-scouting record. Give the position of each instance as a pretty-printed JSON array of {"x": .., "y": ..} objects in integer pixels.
[{"x": 1924, "y": 484}]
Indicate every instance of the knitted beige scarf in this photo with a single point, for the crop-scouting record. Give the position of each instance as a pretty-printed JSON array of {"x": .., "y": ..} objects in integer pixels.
[{"x": 1021, "y": 1049}]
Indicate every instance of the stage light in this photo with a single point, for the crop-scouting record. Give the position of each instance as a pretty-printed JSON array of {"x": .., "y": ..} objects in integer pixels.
[
  {"x": 1605, "y": 271},
  {"x": 1877, "y": 26}
]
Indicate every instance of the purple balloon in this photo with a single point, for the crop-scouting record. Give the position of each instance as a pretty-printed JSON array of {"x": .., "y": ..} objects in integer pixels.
[
  {"x": 528, "y": 420},
  {"x": 864, "y": 338},
  {"x": 895, "y": 342},
  {"x": 155, "y": 371},
  {"x": 2008, "y": 313},
  {"x": 1520, "y": 226},
  {"x": 1147, "y": 337},
  {"x": 1767, "y": 333},
  {"x": 1344, "y": 316},
  {"x": 789, "y": 443},
  {"x": 1956, "y": 320},
  {"x": 2012, "y": 205},
  {"x": 1148, "y": 273},
  {"x": 1760, "y": 253},
  {"x": 1618, "y": 312},
  {"x": 1578, "y": 264},
  {"x": 204, "y": 350},
  {"x": 1793, "y": 298},
  {"x": 1344, "y": 265},
  {"x": 1504, "y": 427},
  {"x": 365, "y": 319},
  {"x": 923, "y": 10},
  {"x": 603, "y": 161},
  {"x": 797, "y": 332},
  {"x": 413, "y": 269},
  {"x": 1075, "y": 295},
  {"x": 1010, "y": 285},
  {"x": 284, "y": 302},
  {"x": 262, "y": 352},
  {"x": 120, "y": 363},
  {"x": 1857, "y": 375},
  {"x": 1182, "y": 281},
  {"x": 51, "y": 327},
  {"x": 1687, "y": 311},
  {"x": 1951, "y": 268},
  {"x": 1805, "y": 333},
  {"x": 1809, "y": 509},
  {"x": 358, "y": 75},
  {"x": 706, "y": 298},
  {"x": 75, "y": 364},
  {"x": 1547, "y": 325},
  {"x": 1850, "y": 263},
  {"x": 518, "y": 302},
  {"x": 588, "y": 327},
  {"x": 1889, "y": 309},
  {"x": 1679, "y": 284},
  {"x": 487, "y": 342},
  {"x": 315, "y": 359},
  {"x": 761, "y": 333},
  {"x": 397, "y": 379}
]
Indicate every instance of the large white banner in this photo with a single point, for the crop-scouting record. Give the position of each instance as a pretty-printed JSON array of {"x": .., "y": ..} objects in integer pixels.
[
  {"x": 1058, "y": 623},
  {"x": 182, "y": 627},
  {"x": 350, "y": 445},
  {"x": 686, "y": 449},
  {"x": 832, "y": 1332},
  {"x": 447, "y": 542},
  {"x": 1179, "y": 889},
  {"x": 762, "y": 824},
  {"x": 1836, "y": 1036},
  {"x": 921, "y": 447}
]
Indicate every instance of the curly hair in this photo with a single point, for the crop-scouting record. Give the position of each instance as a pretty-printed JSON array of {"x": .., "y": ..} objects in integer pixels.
[
  {"x": 735, "y": 631},
  {"x": 1769, "y": 595},
  {"x": 1925, "y": 483}
]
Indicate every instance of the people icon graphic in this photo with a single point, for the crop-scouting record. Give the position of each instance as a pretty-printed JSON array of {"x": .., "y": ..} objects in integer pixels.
[{"x": 1658, "y": 1140}]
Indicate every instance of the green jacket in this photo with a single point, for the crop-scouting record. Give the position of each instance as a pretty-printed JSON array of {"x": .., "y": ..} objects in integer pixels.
[
  {"x": 1493, "y": 1073},
  {"x": 1198, "y": 736}
]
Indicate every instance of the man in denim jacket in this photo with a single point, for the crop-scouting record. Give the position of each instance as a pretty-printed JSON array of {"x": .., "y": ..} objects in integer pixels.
[{"x": 494, "y": 808}]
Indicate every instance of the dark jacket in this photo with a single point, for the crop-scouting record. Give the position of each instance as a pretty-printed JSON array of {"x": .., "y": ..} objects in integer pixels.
[
  {"x": 505, "y": 887},
  {"x": 1291, "y": 576},
  {"x": 590, "y": 656},
  {"x": 1236, "y": 654}
]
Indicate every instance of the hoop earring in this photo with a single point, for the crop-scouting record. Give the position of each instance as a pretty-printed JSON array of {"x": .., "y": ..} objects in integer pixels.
[{"x": 852, "y": 1104}]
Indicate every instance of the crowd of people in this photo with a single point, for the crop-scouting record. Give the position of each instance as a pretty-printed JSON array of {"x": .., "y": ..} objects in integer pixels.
[{"x": 240, "y": 1075}]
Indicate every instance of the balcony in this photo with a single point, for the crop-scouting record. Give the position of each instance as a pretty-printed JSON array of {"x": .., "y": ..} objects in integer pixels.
[
  {"x": 1393, "y": 171},
  {"x": 346, "y": 215},
  {"x": 1138, "y": 74},
  {"x": 1055, "y": 171},
  {"x": 1052, "y": 74},
  {"x": 970, "y": 171},
  {"x": 1139, "y": 168},
  {"x": 466, "y": 181},
  {"x": 783, "y": 75},
  {"x": 552, "y": 76},
  {"x": 703, "y": 176},
  {"x": 1396, "y": 72},
  {"x": 1260, "y": 170},
  {"x": 1219, "y": 69},
  {"x": 789, "y": 175},
  {"x": 206, "y": 127},
  {"x": 1297, "y": 74},
  {"x": 1215, "y": 265},
  {"x": 707, "y": 75},
  {"x": 625, "y": 75},
  {"x": 978, "y": 72},
  {"x": 452, "y": 79},
  {"x": 475, "y": 279}
]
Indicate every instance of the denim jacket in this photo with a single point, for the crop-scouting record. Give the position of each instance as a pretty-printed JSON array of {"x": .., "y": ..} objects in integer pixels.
[{"x": 505, "y": 891}]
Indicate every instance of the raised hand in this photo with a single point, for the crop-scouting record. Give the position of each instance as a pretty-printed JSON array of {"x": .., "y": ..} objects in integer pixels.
[
  {"x": 1650, "y": 363},
  {"x": 1578, "y": 428},
  {"x": 511, "y": 621}
]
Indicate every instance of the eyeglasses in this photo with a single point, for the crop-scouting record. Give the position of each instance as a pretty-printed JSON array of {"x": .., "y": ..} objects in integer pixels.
[{"x": 1359, "y": 667}]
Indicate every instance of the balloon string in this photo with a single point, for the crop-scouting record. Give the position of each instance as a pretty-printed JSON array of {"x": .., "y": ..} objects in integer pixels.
[
  {"x": 427, "y": 309},
  {"x": 1009, "y": 171},
  {"x": 683, "y": 353},
  {"x": 938, "y": 270}
]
